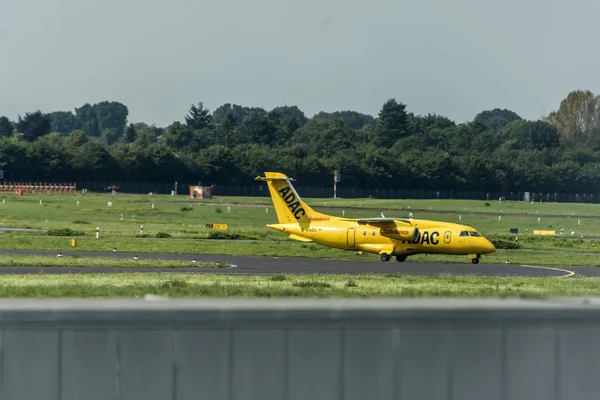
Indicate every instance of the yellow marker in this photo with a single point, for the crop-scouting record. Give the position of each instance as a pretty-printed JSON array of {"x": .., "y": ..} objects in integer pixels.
[
  {"x": 387, "y": 237},
  {"x": 537, "y": 232},
  {"x": 73, "y": 242},
  {"x": 217, "y": 226}
]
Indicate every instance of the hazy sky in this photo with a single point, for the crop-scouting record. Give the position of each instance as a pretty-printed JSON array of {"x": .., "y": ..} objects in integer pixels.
[{"x": 454, "y": 58}]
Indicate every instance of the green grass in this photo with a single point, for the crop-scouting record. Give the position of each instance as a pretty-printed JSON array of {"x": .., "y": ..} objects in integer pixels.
[
  {"x": 62, "y": 213},
  {"x": 476, "y": 206},
  {"x": 178, "y": 225},
  {"x": 362, "y": 286},
  {"x": 100, "y": 262}
]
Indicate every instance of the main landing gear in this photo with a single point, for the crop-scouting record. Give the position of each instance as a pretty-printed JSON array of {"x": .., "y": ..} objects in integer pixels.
[
  {"x": 475, "y": 260},
  {"x": 387, "y": 257}
]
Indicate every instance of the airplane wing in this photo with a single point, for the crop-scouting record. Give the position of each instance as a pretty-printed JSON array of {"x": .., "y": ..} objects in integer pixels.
[{"x": 379, "y": 221}]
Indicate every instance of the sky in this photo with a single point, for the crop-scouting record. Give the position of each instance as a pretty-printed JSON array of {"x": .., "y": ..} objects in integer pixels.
[{"x": 453, "y": 58}]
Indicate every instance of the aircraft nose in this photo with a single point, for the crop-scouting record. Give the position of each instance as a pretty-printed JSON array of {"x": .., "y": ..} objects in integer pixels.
[{"x": 489, "y": 246}]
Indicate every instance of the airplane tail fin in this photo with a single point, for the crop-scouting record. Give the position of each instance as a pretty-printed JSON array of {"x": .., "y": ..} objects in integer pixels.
[{"x": 288, "y": 204}]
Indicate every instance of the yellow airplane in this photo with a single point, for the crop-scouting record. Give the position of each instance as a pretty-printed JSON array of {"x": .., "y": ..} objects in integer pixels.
[{"x": 387, "y": 237}]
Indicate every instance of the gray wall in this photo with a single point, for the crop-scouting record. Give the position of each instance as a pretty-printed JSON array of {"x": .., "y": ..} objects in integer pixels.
[{"x": 277, "y": 349}]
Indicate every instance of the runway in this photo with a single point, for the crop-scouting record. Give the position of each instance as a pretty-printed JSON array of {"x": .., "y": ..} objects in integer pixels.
[{"x": 240, "y": 265}]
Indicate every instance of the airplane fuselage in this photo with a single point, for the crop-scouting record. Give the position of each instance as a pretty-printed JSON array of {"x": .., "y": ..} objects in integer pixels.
[
  {"x": 386, "y": 237},
  {"x": 434, "y": 237}
]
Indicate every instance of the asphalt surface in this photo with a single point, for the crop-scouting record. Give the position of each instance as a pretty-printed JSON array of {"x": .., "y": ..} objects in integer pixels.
[{"x": 275, "y": 265}]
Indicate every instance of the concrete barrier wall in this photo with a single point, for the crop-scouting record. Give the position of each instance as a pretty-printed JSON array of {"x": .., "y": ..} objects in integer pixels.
[{"x": 275, "y": 349}]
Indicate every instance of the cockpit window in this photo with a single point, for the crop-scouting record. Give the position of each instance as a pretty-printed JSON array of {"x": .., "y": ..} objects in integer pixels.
[
  {"x": 464, "y": 233},
  {"x": 477, "y": 234}
]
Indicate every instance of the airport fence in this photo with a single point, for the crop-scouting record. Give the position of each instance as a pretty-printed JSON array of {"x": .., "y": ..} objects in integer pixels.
[
  {"x": 260, "y": 190},
  {"x": 253, "y": 349}
]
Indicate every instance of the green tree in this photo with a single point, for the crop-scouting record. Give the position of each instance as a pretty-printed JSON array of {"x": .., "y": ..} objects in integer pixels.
[
  {"x": 257, "y": 127},
  {"x": 6, "y": 127},
  {"x": 422, "y": 124},
  {"x": 77, "y": 138},
  {"x": 577, "y": 119},
  {"x": 224, "y": 134},
  {"x": 198, "y": 117},
  {"x": 111, "y": 115},
  {"x": 496, "y": 119},
  {"x": 287, "y": 120},
  {"x": 34, "y": 125},
  {"x": 50, "y": 158},
  {"x": 130, "y": 134},
  {"x": 146, "y": 134},
  {"x": 108, "y": 137},
  {"x": 324, "y": 137},
  {"x": 391, "y": 123},
  {"x": 234, "y": 112},
  {"x": 531, "y": 134},
  {"x": 354, "y": 119},
  {"x": 178, "y": 136},
  {"x": 88, "y": 121},
  {"x": 64, "y": 122}
]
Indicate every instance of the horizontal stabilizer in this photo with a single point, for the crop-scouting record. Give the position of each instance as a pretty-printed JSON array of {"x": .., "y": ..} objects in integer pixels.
[
  {"x": 300, "y": 238},
  {"x": 266, "y": 179}
]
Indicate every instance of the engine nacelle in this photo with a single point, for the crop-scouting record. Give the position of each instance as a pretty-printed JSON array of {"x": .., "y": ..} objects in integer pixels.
[{"x": 401, "y": 233}]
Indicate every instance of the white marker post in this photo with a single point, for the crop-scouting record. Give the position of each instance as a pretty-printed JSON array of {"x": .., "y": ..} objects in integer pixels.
[
  {"x": 228, "y": 208},
  {"x": 266, "y": 210},
  {"x": 40, "y": 202},
  {"x": 97, "y": 233},
  {"x": 77, "y": 203},
  {"x": 336, "y": 179},
  {"x": 141, "y": 229},
  {"x": 153, "y": 206}
]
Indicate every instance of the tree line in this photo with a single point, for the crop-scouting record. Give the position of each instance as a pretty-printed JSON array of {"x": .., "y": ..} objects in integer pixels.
[{"x": 496, "y": 151}]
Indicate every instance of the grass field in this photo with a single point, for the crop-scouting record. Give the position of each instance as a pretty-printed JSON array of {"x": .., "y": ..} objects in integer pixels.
[
  {"x": 178, "y": 225},
  {"x": 183, "y": 217},
  {"x": 147, "y": 223},
  {"x": 181, "y": 285},
  {"x": 99, "y": 262}
]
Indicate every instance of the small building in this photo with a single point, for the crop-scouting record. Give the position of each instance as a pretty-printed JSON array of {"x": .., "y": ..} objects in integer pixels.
[{"x": 201, "y": 192}]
